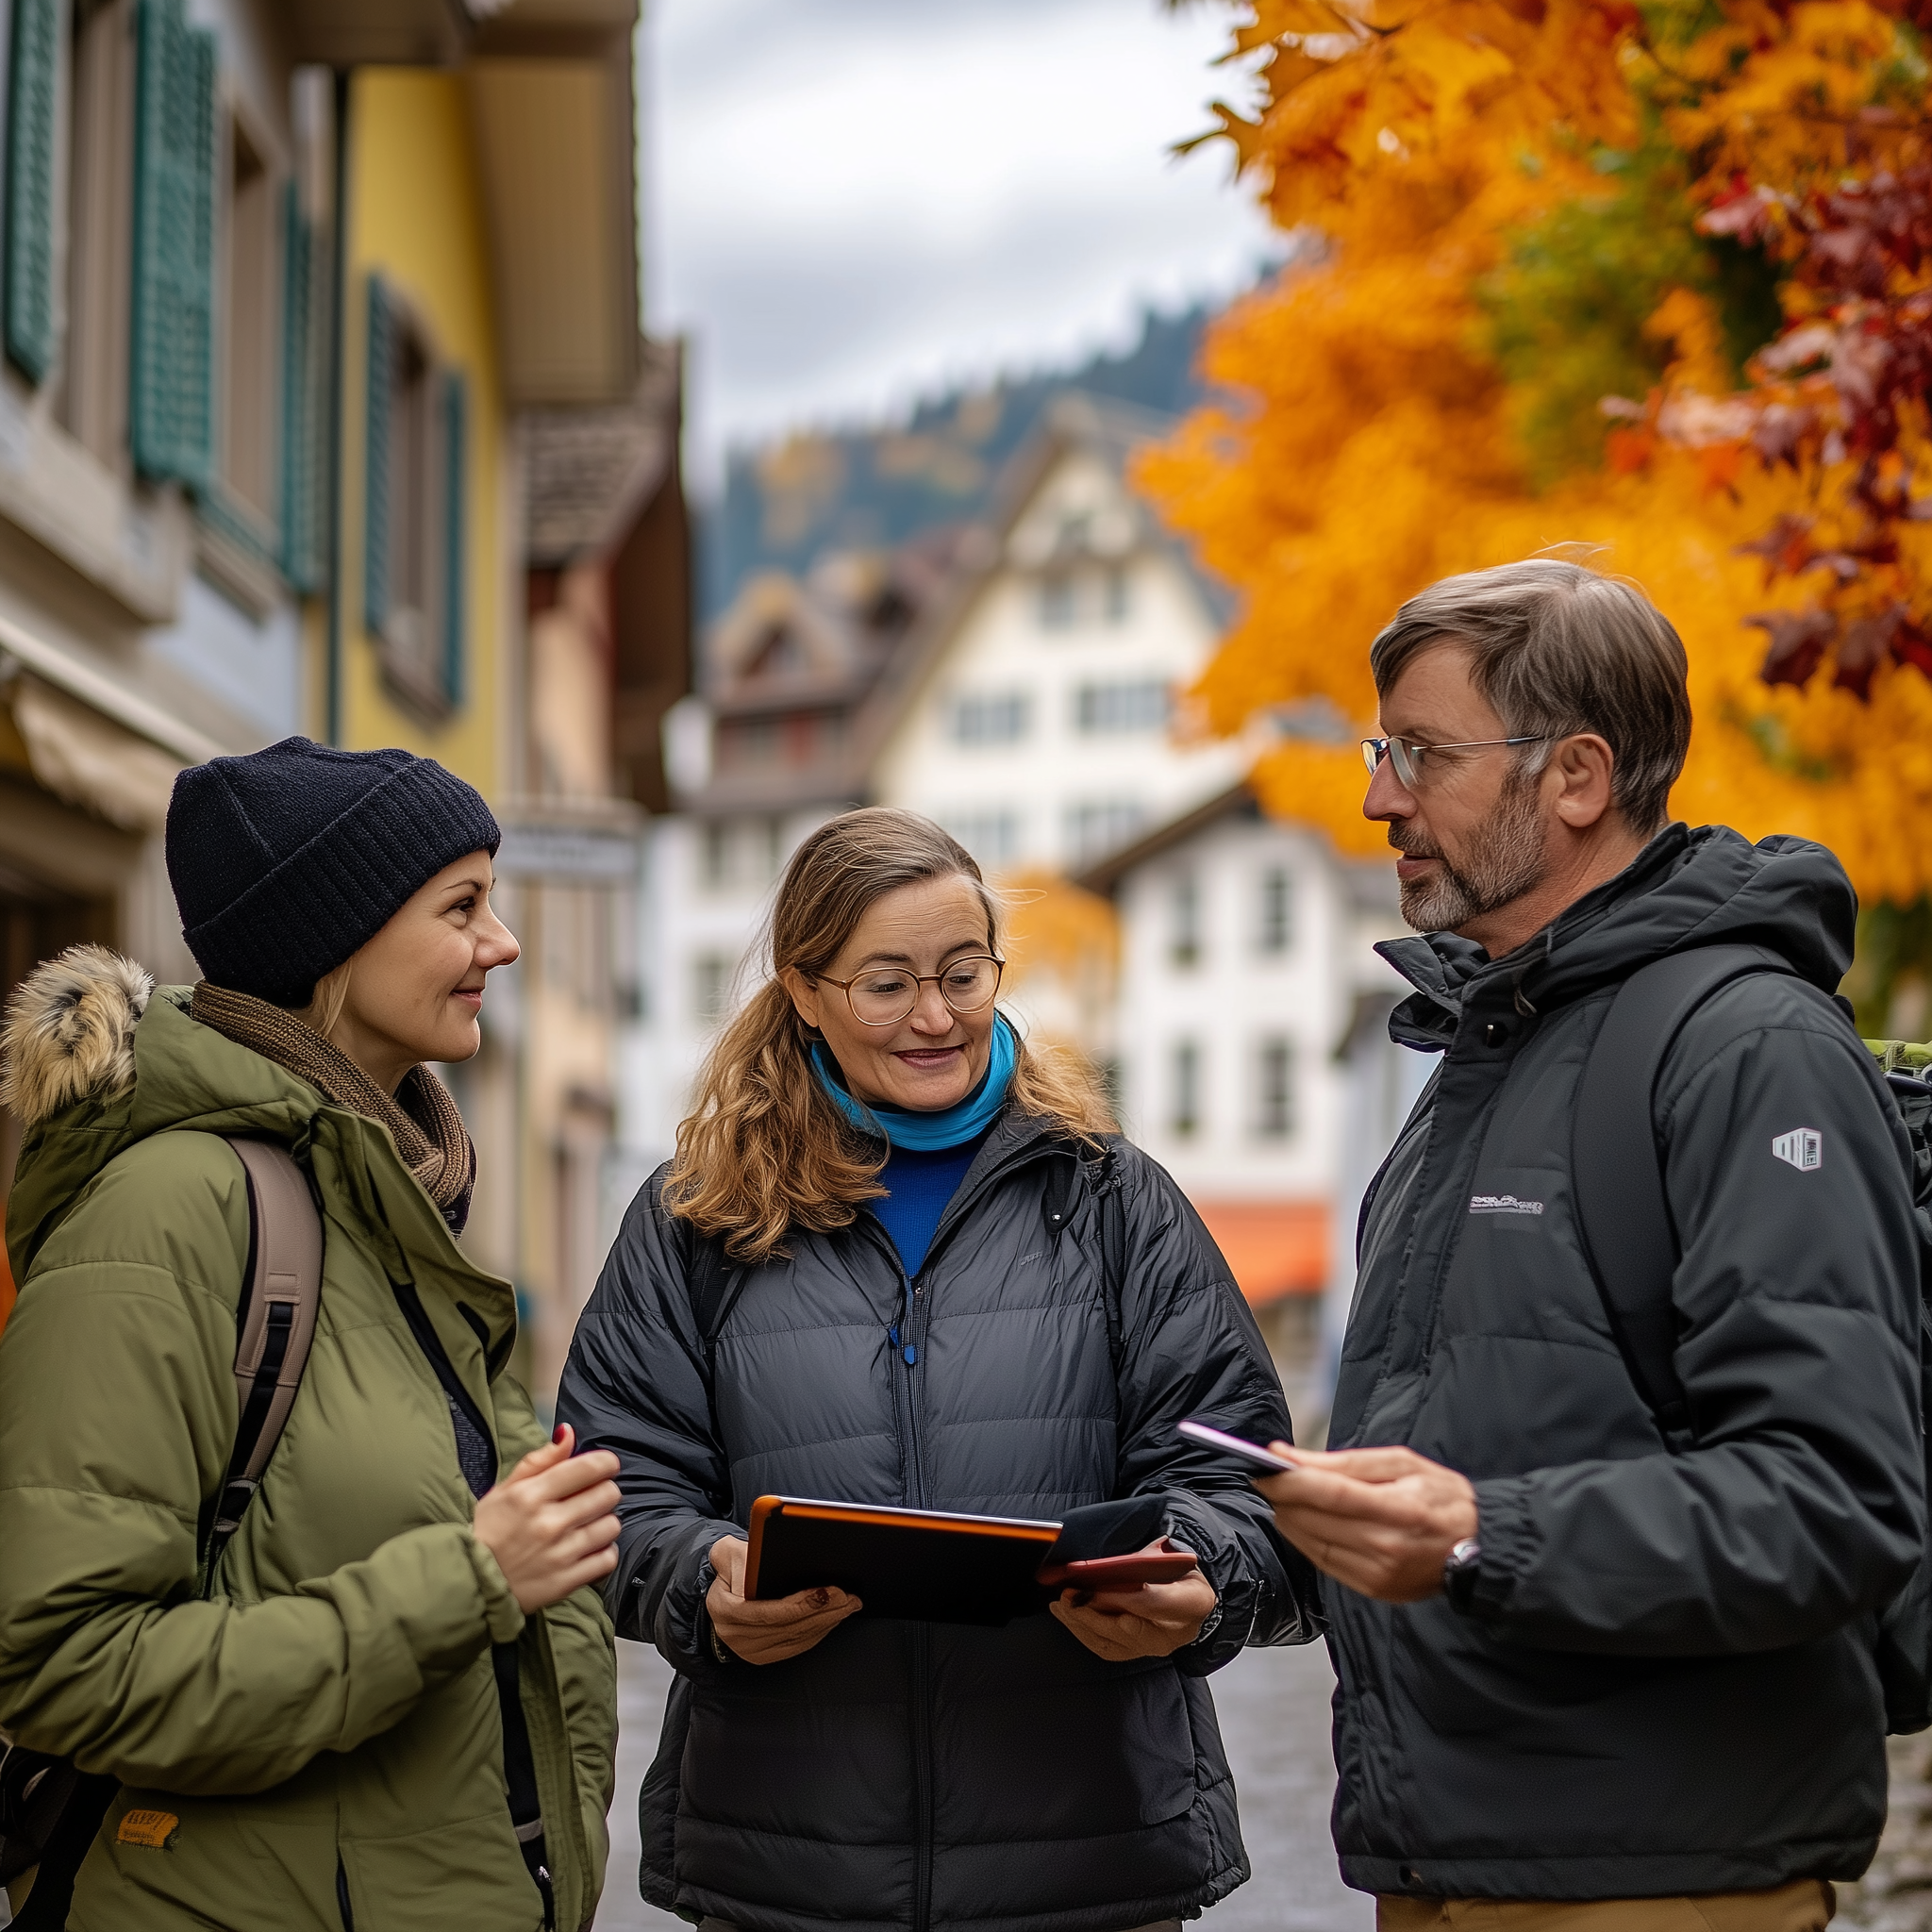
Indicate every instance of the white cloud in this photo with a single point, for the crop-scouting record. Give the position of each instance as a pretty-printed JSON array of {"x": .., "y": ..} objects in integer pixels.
[{"x": 849, "y": 202}]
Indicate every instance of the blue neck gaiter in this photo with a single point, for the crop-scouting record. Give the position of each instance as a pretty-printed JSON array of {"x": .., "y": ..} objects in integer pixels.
[{"x": 926, "y": 1132}]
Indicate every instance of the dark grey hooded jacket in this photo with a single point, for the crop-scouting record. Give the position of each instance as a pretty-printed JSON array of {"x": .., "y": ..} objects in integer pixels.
[
  {"x": 934, "y": 1775},
  {"x": 1666, "y": 1682}
]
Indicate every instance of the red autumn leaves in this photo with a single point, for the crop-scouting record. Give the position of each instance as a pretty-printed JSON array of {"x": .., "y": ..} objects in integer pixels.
[{"x": 1841, "y": 399}]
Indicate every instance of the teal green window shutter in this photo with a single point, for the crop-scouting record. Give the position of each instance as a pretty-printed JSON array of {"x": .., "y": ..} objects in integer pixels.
[
  {"x": 305, "y": 376},
  {"x": 33, "y": 78},
  {"x": 375, "y": 487},
  {"x": 171, "y": 412},
  {"x": 455, "y": 429}
]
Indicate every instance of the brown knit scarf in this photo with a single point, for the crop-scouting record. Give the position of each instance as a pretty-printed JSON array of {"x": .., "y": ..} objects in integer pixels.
[{"x": 423, "y": 1118}]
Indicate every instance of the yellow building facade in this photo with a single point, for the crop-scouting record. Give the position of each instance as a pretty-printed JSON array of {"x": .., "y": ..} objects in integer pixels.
[
  {"x": 404, "y": 475},
  {"x": 415, "y": 227},
  {"x": 487, "y": 328}
]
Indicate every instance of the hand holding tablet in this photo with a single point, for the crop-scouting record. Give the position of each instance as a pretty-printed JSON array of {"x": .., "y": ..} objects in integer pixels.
[
  {"x": 1168, "y": 1564},
  {"x": 929, "y": 1566}
]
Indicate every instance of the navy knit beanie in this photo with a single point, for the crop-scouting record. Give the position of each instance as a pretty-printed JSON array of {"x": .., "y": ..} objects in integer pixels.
[{"x": 285, "y": 862}]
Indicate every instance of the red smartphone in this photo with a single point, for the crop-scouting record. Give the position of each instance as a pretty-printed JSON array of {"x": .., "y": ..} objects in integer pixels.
[{"x": 1168, "y": 1564}]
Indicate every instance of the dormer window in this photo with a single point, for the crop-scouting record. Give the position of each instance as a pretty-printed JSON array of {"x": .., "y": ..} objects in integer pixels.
[
  {"x": 781, "y": 653},
  {"x": 1057, "y": 607}
]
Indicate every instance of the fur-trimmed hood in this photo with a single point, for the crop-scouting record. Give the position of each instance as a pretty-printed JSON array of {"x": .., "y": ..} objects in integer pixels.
[
  {"x": 69, "y": 1032},
  {"x": 94, "y": 1057}
]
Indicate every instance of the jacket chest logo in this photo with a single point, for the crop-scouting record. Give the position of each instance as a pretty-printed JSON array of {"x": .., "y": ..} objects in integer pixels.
[
  {"x": 1503, "y": 1203},
  {"x": 154, "y": 1830}
]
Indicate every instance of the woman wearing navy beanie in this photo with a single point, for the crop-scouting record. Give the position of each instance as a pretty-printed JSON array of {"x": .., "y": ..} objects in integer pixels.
[{"x": 388, "y": 1695}]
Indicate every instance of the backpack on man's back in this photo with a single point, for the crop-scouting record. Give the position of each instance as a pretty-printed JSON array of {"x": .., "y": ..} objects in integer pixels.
[{"x": 1631, "y": 1242}]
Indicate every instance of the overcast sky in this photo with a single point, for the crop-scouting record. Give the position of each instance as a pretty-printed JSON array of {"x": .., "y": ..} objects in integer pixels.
[{"x": 851, "y": 203}]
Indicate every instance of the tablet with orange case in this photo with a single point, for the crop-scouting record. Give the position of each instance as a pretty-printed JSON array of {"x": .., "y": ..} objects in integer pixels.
[{"x": 921, "y": 1565}]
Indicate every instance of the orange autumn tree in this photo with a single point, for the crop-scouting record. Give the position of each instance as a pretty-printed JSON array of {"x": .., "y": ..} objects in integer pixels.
[{"x": 1515, "y": 216}]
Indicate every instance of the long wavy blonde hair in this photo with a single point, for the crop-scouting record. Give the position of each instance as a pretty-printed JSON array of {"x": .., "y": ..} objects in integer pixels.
[{"x": 763, "y": 1148}]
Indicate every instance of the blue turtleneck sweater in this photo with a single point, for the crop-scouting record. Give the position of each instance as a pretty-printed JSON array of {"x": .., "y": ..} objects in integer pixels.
[{"x": 920, "y": 1184}]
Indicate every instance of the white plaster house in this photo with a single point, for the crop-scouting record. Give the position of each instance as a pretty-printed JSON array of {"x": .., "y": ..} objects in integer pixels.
[
  {"x": 1014, "y": 679},
  {"x": 1247, "y": 1061},
  {"x": 1033, "y": 711},
  {"x": 707, "y": 888},
  {"x": 758, "y": 758}
]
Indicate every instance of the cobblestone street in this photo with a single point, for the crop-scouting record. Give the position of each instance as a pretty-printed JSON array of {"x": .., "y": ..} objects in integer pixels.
[
  {"x": 1897, "y": 1894},
  {"x": 1273, "y": 1706}
]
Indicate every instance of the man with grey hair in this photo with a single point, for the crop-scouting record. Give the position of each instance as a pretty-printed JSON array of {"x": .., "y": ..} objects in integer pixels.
[{"x": 1604, "y": 1577}]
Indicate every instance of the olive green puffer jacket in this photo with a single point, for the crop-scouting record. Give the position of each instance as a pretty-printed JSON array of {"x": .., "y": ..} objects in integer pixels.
[{"x": 318, "y": 1720}]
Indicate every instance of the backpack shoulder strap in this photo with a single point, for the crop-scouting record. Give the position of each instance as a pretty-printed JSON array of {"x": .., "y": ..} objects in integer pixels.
[
  {"x": 714, "y": 1282},
  {"x": 1110, "y": 1194},
  {"x": 1622, "y": 1212},
  {"x": 1103, "y": 1180},
  {"x": 281, "y": 1295}
]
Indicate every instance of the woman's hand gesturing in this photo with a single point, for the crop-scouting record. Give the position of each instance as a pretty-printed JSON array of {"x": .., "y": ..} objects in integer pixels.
[
  {"x": 764, "y": 1632},
  {"x": 1148, "y": 1620},
  {"x": 549, "y": 1523}
]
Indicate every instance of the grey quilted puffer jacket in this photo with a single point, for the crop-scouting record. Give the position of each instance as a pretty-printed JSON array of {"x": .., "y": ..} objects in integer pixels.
[{"x": 934, "y": 1775}]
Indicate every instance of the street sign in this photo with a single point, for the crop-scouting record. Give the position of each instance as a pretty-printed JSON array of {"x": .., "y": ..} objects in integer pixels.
[{"x": 559, "y": 855}]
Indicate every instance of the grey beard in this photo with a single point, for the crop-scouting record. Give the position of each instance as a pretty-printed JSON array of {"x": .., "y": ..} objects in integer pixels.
[{"x": 1506, "y": 859}]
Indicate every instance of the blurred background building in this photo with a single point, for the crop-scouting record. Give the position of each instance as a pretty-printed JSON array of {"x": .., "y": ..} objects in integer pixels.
[
  {"x": 974, "y": 614},
  {"x": 1033, "y": 714},
  {"x": 325, "y": 408},
  {"x": 1252, "y": 1060}
]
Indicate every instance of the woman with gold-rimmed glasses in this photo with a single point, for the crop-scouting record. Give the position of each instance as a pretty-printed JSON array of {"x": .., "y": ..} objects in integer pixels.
[{"x": 904, "y": 1199}]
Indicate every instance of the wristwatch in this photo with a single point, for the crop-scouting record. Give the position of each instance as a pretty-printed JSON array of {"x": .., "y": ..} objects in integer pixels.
[{"x": 1459, "y": 1574}]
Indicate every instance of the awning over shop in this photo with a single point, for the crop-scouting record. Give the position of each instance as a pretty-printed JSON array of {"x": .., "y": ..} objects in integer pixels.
[
  {"x": 88, "y": 740},
  {"x": 1274, "y": 1248},
  {"x": 91, "y": 761},
  {"x": 142, "y": 718}
]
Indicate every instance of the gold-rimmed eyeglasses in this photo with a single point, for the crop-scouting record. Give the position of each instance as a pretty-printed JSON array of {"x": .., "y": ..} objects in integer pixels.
[
  {"x": 1406, "y": 754},
  {"x": 887, "y": 994}
]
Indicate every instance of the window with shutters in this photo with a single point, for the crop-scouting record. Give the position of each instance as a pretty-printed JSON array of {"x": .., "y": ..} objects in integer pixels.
[
  {"x": 1141, "y": 705},
  {"x": 34, "y": 79},
  {"x": 1275, "y": 927},
  {"x": 249, "y": 319},
  {"x": 171, "y": 412},
  {"x": 1184, "y": 919},
  {"x": 1059, "y": 606},
  {"x": 1095, "y": 828},
  {"x": 308, "y": 301},
  {"x": 91, "y": 399},
  {"x": 414, "y": 547},
  {"x": 999, "y": 717},
  {"x": 1184, "y": 1089},
  {"x": 242, "y": 509},
  {"x": 989, "y": 832},
  {"x": 1274, "y": 1109},
  {"x": 303, "y": 392}
]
